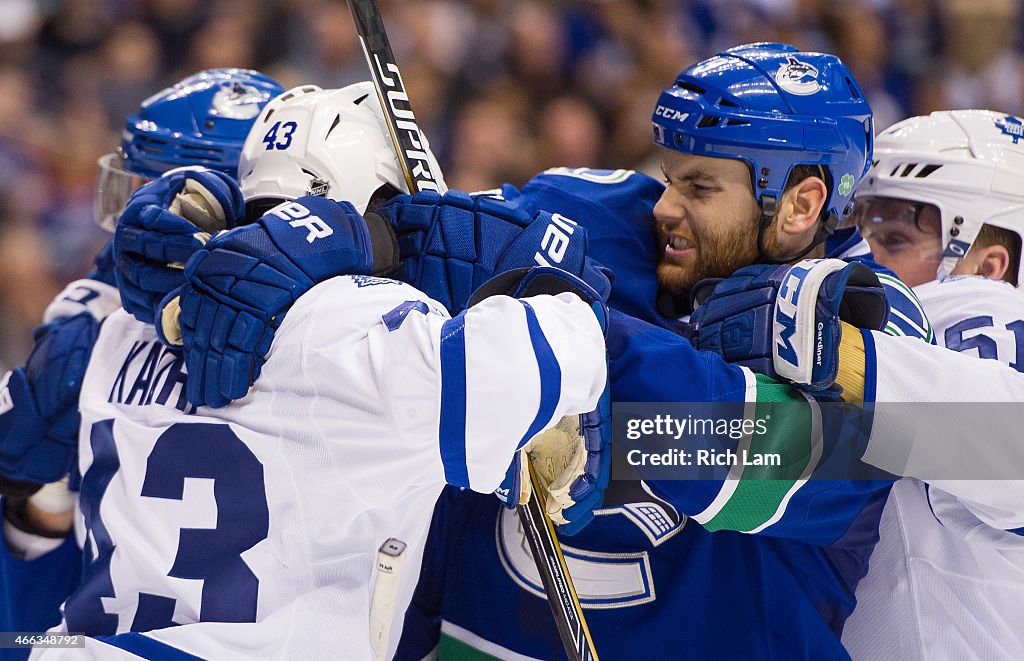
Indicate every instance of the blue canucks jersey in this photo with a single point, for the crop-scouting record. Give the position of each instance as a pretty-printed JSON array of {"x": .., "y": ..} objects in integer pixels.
[{"x": 744, "y": 569}]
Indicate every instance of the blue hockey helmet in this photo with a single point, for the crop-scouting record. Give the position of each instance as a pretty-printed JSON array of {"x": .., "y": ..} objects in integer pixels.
[
  {"x": 201, "y": 120},
  {"x": 773, "y": 107}
]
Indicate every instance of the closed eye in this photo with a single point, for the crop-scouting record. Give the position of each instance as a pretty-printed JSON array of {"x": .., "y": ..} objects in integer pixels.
[
  {"x": 697, "y": 184},
  {"x": 892, "y": 242}
]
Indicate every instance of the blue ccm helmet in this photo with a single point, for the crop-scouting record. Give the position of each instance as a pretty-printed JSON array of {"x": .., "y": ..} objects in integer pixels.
[
  {"x": 201, "y": 120},
  {"x": 773, "y": 107}
]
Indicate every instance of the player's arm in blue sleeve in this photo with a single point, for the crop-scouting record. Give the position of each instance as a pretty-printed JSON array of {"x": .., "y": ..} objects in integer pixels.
[
  {"x": 651, "y": 364},
  {"x": 615, "y": 207},
  {"x": 33, "y": 590},
  {"x": 450, "y": 244},
  {"x": 38, "y": 436},
  {"x": 242, "y": 283}
]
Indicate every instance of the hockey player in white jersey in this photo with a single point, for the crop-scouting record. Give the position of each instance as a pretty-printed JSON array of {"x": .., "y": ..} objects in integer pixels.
[
  {"x": 201, "y": 120},
  {"x": 256, "y": 527},
  {"x": 943, "y": 206}
]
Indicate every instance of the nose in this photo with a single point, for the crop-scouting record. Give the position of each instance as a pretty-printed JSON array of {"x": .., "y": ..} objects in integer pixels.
[{"x": 668, "y": 211}]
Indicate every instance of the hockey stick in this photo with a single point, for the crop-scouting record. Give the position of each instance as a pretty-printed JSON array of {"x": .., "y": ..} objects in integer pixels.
[
  {"x": 390, "y": 561},
  {"x": 420, "y": 175},
  {"x": 405, "y": 134},
  {"x": 554, "y": 574}
]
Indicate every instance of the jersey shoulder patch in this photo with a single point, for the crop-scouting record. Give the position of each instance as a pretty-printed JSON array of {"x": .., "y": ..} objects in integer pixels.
[{"x": 906, "y": 314}]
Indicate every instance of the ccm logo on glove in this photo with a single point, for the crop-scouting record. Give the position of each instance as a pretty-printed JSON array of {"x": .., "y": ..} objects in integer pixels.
[
  {"x": 300, "y": 216},
  {"x": 785, "y": 320},
  {"x": 555, "y": 240}
]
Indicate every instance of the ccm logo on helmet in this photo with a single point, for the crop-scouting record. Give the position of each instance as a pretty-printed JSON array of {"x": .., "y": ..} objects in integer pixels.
[
  {"x": 555, "y": 240},
  {"x": 670, "y": 114},
  {"x": 299, "y": 216}
]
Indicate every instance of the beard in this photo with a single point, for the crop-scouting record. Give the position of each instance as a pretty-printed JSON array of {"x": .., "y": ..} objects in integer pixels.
[{"x": 716, "y": 255}]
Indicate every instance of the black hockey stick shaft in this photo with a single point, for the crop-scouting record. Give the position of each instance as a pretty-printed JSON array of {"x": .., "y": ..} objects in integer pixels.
[
  {"x": 554, "y": 574},
  {"x": 420, "y": 173}
]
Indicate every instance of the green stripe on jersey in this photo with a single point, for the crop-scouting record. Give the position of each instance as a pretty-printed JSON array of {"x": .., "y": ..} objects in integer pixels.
[
  {"x": 458, "y": 644},
  {"x": 453, "y": 649},
  {"x": 764, "y": 491}
]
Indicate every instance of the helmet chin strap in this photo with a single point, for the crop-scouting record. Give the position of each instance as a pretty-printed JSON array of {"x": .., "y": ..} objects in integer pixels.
[
  {"x": 959, "y": 238},
  {"x": 768, "y": 208}
]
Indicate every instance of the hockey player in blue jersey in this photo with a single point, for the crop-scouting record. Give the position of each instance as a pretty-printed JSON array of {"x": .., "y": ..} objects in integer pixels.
[
  {"x": 943, "y": 207},
  {"x": 201, "y": 121},
  {"x": 649, "y": 577}
]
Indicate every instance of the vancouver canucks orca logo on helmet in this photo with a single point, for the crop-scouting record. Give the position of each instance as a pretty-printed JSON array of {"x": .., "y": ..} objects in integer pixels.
[
  {"x": 201, "y": 120},
  {"x": 796, "y": 77},
  {"x": 236, "y": 100}
]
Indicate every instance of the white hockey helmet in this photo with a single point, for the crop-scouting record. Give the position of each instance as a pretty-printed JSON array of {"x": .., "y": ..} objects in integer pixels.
[
  {"x": 311, "y": 141},
  {"x": 967, "y": 163}
]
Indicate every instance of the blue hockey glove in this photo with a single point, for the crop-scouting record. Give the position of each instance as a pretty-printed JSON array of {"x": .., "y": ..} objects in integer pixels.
[
  {"x": 451, "y": 244},
  {"x": 783, "y": 321},
  {"x": 163, "y": 224},
  {"x": 39, "y": 416},
  {"x": 23, "y": 446},
  {"x": 572, "y": 460},
  {"x": 241, "y": 284}
]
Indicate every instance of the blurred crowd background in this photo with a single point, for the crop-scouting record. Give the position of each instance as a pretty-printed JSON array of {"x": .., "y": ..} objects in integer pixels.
[{"x": 503, "y": 88}]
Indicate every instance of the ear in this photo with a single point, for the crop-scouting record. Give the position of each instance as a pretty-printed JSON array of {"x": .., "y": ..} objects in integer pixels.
[
  {"x": 801, "y": 205},
  {"x": 989, "y": 261},
  {"x": 993, "y": 261}
]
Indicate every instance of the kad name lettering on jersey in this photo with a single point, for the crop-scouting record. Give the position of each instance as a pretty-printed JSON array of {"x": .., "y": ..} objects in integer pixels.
[
  {"x": 154, "y": 372},
  {"x": 555, "y": 240},
  {"x": 299, "y": 216}
]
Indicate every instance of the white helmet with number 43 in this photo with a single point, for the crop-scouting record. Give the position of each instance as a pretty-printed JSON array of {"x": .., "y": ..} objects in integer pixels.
[{"x": 330, "y": 143}]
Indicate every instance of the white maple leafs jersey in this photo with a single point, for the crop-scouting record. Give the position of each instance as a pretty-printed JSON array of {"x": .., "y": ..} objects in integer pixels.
[
  {"x": 256, "y": 526},
  {"x": 946, "y": 580},
  {"x": 978, "y": 316}
]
